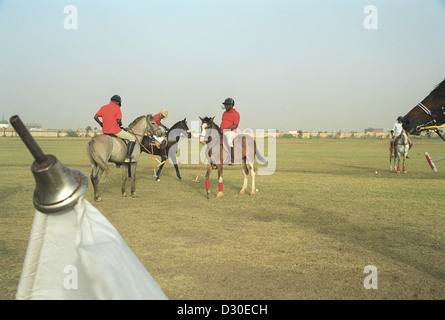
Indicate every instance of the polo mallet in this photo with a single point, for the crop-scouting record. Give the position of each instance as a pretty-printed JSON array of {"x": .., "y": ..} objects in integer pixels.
[
  {"x": 197, "y": 177},
  {"x": 431, "y": 161}
]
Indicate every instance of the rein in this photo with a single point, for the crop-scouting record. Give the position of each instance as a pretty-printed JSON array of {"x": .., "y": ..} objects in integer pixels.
[{"x": 140, "y": 143}]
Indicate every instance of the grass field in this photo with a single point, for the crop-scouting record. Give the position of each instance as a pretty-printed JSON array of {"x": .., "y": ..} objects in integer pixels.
[{"x": 331, "y": 208}]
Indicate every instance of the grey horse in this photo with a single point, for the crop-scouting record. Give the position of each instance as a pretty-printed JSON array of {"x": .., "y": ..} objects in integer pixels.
[{"x": 103, "y": 148}]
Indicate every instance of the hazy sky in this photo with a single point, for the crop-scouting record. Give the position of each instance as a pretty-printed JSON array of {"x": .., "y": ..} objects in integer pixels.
[{"x": 308, "y": 65}]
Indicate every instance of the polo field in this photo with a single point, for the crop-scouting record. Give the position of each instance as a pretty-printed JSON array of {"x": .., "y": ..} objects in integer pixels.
[{"x": 331, "y": 209}]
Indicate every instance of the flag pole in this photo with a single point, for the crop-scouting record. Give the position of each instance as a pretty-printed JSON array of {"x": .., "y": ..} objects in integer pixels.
[{"x": 28, "y": 139}]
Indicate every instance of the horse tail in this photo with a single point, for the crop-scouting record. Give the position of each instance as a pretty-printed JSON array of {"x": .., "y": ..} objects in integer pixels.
[
  {"x": 95, "y": 159},
  {"x": 260, "y": 157}
]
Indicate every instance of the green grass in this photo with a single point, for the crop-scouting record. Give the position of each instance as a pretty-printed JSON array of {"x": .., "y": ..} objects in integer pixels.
[{"x": 313, "y": 226}]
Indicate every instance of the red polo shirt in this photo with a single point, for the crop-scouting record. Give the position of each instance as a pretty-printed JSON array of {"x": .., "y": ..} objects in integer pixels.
[
  {"x": 157, "y": 118},
  {"x": 229, "y": 119},
  {"x": 110, "y": 113}
]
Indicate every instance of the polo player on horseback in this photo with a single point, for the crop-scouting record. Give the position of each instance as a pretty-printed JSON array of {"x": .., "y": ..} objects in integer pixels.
[
  {"x": 229, "y": 125},
  {"x": 162, "y": 141},
  {"x": 396, "y": 132},
  {"x": 112, "y": 123}
]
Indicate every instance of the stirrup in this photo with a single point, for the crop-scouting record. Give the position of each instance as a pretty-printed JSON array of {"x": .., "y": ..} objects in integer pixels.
[{"x": 129, "y": 160}]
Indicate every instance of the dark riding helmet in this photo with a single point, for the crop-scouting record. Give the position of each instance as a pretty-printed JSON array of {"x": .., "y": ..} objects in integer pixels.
[
  {"x": 117, "y": 99},
  {"x": 400, "y": 118},
  {"x": 229, "y": 101}
]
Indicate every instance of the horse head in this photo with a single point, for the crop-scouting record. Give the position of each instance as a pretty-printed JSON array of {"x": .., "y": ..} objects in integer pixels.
[
  {"x": 179, "y": 130},
  {"x": 185, "y": 127},
  {"x": 208, "y": 130},
  {"x": 429, "y": 112},
  {"x": 152, "y": 128}
]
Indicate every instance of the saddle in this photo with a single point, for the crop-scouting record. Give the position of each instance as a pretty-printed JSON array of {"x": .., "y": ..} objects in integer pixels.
[
  {"x": 115, "y": 136},
  {"x": 154, "y": 142},
  {"x": 226, "y": 143}
]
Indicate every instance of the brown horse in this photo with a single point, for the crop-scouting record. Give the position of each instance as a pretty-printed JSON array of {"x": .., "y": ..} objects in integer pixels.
[
  {"x": 105, "y": 148},
  {"x": 178, "y": 130},
  {"x": 216, "y": 153},
  {"x": 429, "y": 112}
]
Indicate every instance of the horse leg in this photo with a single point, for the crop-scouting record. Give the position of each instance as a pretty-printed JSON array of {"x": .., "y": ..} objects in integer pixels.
[
  {"x": 133, "y": 181},
  {"x": 158, "y": 173},
  {"x": 175, "y": 163},
  {"x": 391, "y": 158},
  {"x": 124, "y": 178},
  {"x": 96, "y": 173},
  {"x": 177, "y": 171},
  {"x": 220, "y": 181},
  {"x": 246, "y": 175},
  {"x": 252, "y": 169},
  {"x": 398, "y": 161},
  {"x": 404, "y": 159},
  {"x": 209, "y": 171}
]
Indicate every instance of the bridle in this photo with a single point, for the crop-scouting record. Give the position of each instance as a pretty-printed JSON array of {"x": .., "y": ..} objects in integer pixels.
[{"x": 433, "y": 123}]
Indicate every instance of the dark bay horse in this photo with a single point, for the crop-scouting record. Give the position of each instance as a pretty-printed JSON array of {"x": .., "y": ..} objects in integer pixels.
[
  {"x": 103, "y": 148},
  {"x": 216, "y": 153},
  {"x": 178, "y": 130},
  {"x": 429, "y": 112}
]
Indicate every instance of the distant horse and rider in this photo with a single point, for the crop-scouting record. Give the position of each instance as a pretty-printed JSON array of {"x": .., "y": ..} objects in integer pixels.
[
  {"x": 399, "y": 146},
  {"x": 398, "y": 152}
]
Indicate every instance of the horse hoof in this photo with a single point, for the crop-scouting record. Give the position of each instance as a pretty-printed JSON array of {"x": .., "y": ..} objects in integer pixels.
[
  {"x": 98, "y": 199},
  {"x": 252, "y": 194},
  {"x": 219, "y": 195},
  {"x": 124, "y": 194},
  {"x": 241, "y": 192},
  {"x": 134, "y": 195}
]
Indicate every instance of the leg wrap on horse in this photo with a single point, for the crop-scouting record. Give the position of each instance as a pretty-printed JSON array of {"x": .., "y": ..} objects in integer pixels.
[
  {"x": 220, "y": 187},
  {"x": 207, "y": 184}
]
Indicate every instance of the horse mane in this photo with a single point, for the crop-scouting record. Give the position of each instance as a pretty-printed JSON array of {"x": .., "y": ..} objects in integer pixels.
[
  {"x": 208, "y": 119},
  {"x": 438, "y": 86},
  {"x": 135, "y": 121},
  {"x": 176, "y": 125}
]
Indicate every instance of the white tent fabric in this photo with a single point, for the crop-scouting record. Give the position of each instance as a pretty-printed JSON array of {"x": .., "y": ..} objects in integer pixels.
[{"x": 78, "y": 254}]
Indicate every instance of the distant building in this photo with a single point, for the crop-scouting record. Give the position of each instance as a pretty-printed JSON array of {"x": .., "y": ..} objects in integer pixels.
[
  {"x": 34, "y": 126},
  {"x": 373, "y": 130},
  {"x": 4, "y": 123}
]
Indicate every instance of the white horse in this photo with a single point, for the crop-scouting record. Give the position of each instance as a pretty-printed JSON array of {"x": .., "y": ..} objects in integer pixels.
[{"x": 402, "y": 151}]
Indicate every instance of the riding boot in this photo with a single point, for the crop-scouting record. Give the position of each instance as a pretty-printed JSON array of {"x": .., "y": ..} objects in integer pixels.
[{"x": 130, "y": 148}]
